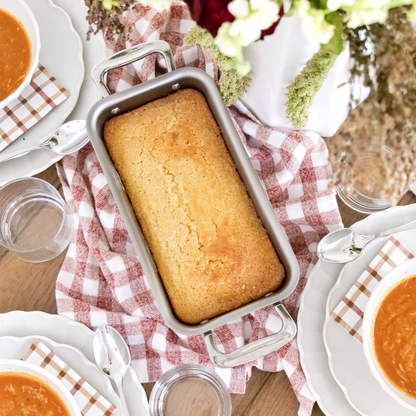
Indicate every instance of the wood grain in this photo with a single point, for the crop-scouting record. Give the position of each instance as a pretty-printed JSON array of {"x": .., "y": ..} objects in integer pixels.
[{"x": 27, "y": 286}]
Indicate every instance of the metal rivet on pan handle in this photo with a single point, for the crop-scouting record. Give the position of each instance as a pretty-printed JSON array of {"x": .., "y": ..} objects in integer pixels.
[
  {"x": 256, "y": 349},
  {"x": 128, "y": 56},
  {"x": 176, "y": 87}
]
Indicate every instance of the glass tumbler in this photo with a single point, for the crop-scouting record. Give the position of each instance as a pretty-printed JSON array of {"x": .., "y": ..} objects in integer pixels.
[
  {"x": 190, "y": 390},
  {"x": 365, "y": 195},
  {"x": 35, "y": 222}
]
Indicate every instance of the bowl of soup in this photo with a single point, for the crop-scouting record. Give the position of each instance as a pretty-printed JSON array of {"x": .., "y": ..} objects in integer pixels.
[
  {"x": 19, "y": 48},
  {"x": 27, "y": 389},
  {"x": 389, "y": 333}
]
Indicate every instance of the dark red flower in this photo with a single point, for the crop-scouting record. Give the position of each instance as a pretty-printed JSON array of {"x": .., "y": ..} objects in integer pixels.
[{"x": 211, "y": 14}]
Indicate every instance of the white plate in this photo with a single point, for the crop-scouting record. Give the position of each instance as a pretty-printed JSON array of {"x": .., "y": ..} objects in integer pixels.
[
  {"x": 346, "y": 355},
  {"x": 62, "y": 55},
  {"x": 73, "y": 334},
  {"x": 312, "y": 313}
]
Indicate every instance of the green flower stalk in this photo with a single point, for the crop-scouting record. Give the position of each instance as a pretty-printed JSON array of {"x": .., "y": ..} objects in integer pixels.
[
  {"x": 304, "y": 88},
  {"x": 232, "y": 86}
]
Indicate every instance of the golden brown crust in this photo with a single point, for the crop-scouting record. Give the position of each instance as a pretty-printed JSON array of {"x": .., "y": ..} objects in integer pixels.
[{"x": 211, "y": 250}]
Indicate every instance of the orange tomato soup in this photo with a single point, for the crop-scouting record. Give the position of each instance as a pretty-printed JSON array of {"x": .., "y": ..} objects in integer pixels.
[
  {"x": 23, "y": 394},
  {"x": 15, "y": 53},
  {"x": 394, "y": 337}
]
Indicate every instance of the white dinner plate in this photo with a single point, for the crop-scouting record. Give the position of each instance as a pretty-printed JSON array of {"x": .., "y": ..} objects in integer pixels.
[
  {"x": 62, "y": 54},
  {"x": 61, "y": 330},
  {"x": 346, "y": 355},
  {"x": 312, "y": 314}
]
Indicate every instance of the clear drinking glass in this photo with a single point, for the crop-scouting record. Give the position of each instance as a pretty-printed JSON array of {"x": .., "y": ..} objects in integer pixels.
[
  {"x": 365, "y": 195},
  {"x": 190, "y": 390},
  {"x": 35, "y": 222}
]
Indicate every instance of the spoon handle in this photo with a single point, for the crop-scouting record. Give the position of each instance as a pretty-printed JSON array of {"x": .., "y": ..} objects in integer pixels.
[
  {"x": 408, "y": 226},
  {"x": 124, "y": 409}
]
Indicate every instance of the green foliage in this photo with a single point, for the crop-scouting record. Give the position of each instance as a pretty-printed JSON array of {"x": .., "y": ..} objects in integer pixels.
[
  {"x": 306, "y": 85},
  {"x": 232, "y": 86},
  {"x": 319, "y": 4},
  {"x": 336, "y": 44}
]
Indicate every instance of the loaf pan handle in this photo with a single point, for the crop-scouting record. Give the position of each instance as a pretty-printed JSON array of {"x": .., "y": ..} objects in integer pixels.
[
  {"x": 128, "y": 56},
  {"x": 256, "y": 349}
]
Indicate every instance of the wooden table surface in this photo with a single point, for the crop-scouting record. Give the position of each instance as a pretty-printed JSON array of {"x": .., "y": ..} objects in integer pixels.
[{"x": 31, "y": 287}]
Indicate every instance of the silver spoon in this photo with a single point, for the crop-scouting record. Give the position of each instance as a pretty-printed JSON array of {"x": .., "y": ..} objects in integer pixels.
[
  {"x": 345, "y": 245},
  {"x": 69, "y": 138},
  {"x": 112, "y": 357}
]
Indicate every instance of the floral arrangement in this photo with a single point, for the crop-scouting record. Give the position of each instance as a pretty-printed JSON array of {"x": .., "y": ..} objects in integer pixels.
[
  {"x": 323, "y": 21},
  {"x": 381, "y": 36},
  {"x": 238, "y": 23}
]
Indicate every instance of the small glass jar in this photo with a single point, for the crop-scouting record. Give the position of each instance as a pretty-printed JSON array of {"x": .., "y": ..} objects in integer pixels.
[
  {"x": 190, "y": 390},
  {"x": 365, "y": 195}
]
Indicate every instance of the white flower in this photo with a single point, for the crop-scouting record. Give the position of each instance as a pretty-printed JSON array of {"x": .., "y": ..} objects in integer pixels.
[
  {"x": 267, "y": 7},
  {"x": 251, "y": 20},
  {"x": 338, "y": 4},
  {"x": 159, "y": 5},
  {"x": 367, "y": 12},
  {"x": 360, "y": 18},
  {"x": 229, "y": 45},
  {"x": 314, "y": 25},
  {"x": 239, "y": 8},
  {"x": 317, "y": 29}
]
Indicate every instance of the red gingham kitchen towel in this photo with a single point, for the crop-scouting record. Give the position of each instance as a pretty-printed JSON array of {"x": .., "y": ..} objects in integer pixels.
[{"x": 101, "y": 280}]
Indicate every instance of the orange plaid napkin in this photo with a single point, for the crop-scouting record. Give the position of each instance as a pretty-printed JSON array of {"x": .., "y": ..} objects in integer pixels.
[
  {"x": 89, "y": 401},
  {"x": 350, "y": 311},
  {"x": 41, "y": 96}
]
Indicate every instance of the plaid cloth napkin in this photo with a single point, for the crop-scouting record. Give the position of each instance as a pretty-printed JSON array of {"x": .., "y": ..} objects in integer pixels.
[
  {"x": 101, "y": 280},
  {"x": 89, "y": 401},
  {"x": 349, "y": 312},
  {"x": 41, "y": 96}
]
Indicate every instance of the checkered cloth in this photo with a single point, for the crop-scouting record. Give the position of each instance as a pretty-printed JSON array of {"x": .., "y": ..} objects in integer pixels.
[
  {"x": 349, "y": 312},
  {"x": 101, "y": 280},
  {"x": 41, "y": 96},
  {"x": 89, "y": 401}
]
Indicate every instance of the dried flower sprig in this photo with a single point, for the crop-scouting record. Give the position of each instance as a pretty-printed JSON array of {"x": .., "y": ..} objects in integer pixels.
[
  {"x": 104, "y": 15},
  {"x": 232, "y": 85}
]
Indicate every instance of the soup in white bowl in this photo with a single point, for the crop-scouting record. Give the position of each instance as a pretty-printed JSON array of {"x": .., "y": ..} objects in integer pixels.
[
  {"x": 389, "y": 333},
  {"x": 19, "y": 48},
  {"x": 26, "y": 389}
]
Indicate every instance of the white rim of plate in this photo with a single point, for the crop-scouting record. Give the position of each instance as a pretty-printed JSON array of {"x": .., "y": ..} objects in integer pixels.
[{"x": 328, "y": 320}]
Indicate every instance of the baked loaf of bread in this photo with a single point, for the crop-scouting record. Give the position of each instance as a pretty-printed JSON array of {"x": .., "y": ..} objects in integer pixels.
[{"x": 211, "y": 249}]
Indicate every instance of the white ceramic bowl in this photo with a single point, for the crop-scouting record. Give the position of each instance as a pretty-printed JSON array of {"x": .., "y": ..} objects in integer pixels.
[
  {"x": 22, "y": 11},
  {"x": 18, "y": 366},
  {"x": 405, "y": 270}
]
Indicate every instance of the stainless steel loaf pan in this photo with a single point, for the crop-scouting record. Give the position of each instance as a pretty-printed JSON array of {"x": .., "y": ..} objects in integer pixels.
[{"x": 151, "y": 90}]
